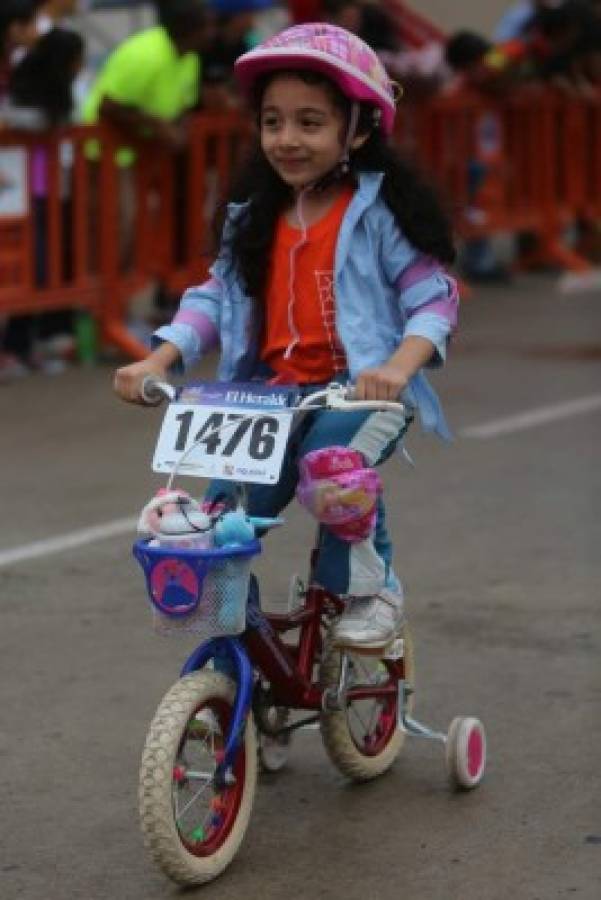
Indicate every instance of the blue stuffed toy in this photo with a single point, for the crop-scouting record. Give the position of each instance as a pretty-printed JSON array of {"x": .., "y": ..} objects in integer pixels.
[{"x": 235, "y": 528}]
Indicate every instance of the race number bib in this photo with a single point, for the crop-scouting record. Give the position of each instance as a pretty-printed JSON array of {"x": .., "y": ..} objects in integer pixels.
[{"x": 234, "y": 439}]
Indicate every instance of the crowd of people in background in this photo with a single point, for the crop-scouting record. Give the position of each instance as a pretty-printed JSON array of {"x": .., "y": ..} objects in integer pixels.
[
  {"x": 554, "y": 41},
  {"x": 150, "y": 83}
]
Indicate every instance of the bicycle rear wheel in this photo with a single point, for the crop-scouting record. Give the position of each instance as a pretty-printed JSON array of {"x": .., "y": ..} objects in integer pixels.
[
  {"x": 363, "y": 739},
  {"x": 193, "y": 828}
]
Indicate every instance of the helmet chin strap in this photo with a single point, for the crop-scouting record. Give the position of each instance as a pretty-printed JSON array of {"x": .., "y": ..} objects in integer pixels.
[{"x": 342, "y": 167}]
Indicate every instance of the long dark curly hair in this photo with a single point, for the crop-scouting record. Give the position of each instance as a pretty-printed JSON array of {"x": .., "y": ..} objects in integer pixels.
[{"x": 411, "y": 199}]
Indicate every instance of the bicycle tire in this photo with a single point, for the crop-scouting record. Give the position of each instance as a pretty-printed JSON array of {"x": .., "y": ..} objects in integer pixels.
[
  {"x": 180, "y": 722},
  {"x": 363, "y": 761}
]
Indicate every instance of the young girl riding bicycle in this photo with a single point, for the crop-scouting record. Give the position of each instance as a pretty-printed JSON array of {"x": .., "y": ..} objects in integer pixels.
[{"x": 330, "y": 269}]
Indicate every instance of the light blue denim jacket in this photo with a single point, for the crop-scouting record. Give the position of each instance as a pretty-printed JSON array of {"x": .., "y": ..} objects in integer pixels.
[{"x": 384, "y": 291}]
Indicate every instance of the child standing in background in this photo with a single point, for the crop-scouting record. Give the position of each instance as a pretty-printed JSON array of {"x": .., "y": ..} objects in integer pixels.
[{"x": 330, "y": 267}]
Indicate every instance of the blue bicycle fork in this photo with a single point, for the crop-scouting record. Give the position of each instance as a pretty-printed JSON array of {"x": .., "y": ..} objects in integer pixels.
[{"x": 227, "y": 654}]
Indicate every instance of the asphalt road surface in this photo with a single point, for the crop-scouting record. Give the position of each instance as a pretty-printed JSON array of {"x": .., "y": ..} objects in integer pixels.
[{"x": 497, "y": 539}]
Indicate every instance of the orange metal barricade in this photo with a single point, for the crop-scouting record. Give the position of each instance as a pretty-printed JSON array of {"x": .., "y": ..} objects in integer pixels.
[
  {"x": 97, "y": 233},
  {"x": 66, "y": 283},
  {"x": 537, "y": 155},
  {"x": 110, "y": 231},
  {"x": 176, "y": 199}
]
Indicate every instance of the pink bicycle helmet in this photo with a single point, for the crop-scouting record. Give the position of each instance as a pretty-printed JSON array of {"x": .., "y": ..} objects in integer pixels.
[{"x": 330, "y": 50}]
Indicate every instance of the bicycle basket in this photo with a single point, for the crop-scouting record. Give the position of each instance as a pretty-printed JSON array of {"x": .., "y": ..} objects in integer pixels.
[{"x": 198, "y": 591}]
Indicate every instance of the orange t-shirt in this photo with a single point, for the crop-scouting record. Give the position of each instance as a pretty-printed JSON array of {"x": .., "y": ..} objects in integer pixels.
[{"x": 305, "y": 307}]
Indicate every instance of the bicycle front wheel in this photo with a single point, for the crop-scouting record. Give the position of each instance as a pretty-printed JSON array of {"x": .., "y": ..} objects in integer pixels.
[
  {"x": 363, "y": 739},
  {"x": 193, "y": 828}
]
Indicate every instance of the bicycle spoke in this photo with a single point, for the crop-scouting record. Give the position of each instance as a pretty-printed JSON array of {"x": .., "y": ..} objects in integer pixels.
[
  {"x": 365, "y": 671},
  {"x": 197, "y": 774},
  {"x": 355, "y": 712},
  {"x": 376, "y": 708},
  {"x": 198, "y": 793},
  {"x": 365, "y": 719}
]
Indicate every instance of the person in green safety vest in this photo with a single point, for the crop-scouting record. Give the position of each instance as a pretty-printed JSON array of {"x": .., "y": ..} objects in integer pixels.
[{"x": 153, "y": 78}]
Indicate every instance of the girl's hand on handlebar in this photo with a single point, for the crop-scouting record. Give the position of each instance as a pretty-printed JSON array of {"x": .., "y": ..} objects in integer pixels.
[
  {"x": 385, "y": 382},
  {"x": 128, "y": 380}
]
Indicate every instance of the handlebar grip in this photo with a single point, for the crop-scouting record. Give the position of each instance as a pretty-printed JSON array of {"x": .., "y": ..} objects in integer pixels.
[
  {"x": 154, "y": 391},
  {"x": 345, "y": 397}
]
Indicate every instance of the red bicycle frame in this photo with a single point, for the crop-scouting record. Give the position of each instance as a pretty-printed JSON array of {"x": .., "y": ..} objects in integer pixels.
[{"x": 290, "y": 668}]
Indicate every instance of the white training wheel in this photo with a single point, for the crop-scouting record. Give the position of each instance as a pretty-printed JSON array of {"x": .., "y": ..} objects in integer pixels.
[{"x": 466, "y": 752}]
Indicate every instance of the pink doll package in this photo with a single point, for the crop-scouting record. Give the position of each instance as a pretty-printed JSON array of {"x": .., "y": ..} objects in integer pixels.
[{"x": 338, "y": 489}]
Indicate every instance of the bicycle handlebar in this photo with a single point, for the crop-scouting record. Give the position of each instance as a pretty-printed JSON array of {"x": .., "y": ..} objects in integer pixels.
[
  {"x": 154, "y": 391},
  {"x": 335, "y": 396},
  {"x": 341, "y": 397}
]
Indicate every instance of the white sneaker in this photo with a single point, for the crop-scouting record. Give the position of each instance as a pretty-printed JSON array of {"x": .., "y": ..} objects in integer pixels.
[{"x": 370, "y": 623}]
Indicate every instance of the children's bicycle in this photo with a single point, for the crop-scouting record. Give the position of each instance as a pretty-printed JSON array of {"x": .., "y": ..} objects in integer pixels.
[{"x": 246, "y": 689}]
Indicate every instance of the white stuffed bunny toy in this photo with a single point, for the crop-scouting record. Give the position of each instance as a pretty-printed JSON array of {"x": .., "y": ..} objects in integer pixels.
[{"x": 174, "y": 519}]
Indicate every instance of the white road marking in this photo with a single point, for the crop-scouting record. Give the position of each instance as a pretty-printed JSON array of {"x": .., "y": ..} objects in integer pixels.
[
  {"x": 520, "y": 422},
  {"x": 533, "y": 418},
  {"x": 68, "y": 541}
]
